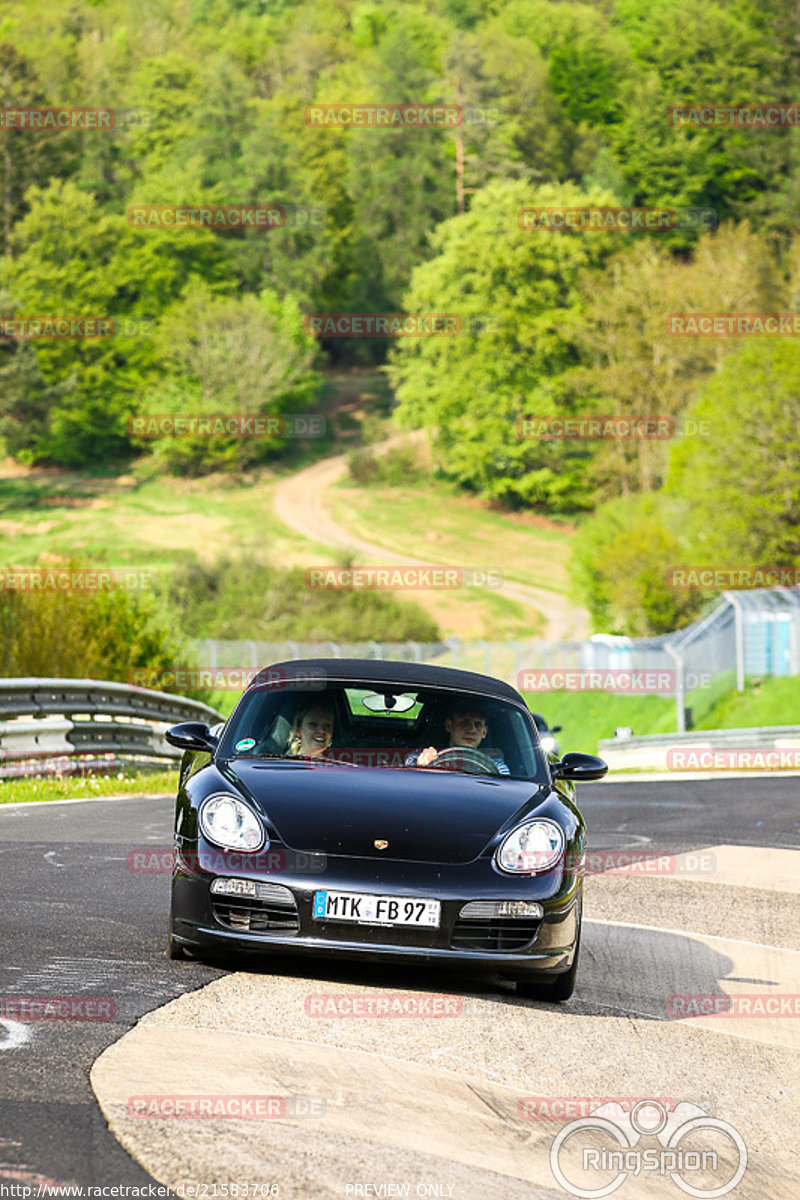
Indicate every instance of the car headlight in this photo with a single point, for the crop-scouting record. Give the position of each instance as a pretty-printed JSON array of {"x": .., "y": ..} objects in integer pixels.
[
  {"x": 228, "y": 822},
  {"x": 530, "y": 848}
]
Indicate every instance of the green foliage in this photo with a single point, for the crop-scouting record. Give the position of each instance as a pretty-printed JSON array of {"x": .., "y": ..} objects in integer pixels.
[
  {"x": 249, "y": 599},
  {"x": 741, "y": 482},
  {"x": 394, "y": 468},
  {"x": 82, "y": 634},
  {"x": 633, "y": 366},
  {"x": 516, "y": 293},
  {"x": 226, "y": 355},
  {"x": 621, "y": 556}
]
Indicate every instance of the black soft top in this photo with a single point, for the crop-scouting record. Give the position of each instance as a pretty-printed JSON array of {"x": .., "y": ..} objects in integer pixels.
[{"x": 389, "y": 671}]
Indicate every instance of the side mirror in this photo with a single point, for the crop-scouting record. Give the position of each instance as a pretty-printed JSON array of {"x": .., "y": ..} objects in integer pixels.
[
  {"x": 579, "y": 768},
  {"x": 191, "y": 735}
]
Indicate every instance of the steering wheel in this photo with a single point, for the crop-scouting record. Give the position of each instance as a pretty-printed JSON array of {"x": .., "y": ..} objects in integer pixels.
[{"x": 457, "y": 757}]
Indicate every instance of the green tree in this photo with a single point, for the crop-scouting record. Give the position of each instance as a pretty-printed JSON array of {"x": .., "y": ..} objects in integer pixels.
[
  {"x": 619, "y": 563},
  {"x": 81, "y": 634},
  {"x": 741, "y": 480},
  {"x": 634, "y": 365},
  {"x": 517, "y": 296},
  {"x": 26, "y": 158},
  {"x": 73, "y": 260},
  {"x": 686, "y": 52},
  {"x": 237, "y": 355}
]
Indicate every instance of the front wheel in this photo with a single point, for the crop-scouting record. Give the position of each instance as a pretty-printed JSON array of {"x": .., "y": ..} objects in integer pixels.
[
  {"x": 174, "y": 948},
  {"x": 557, "y": 990}
]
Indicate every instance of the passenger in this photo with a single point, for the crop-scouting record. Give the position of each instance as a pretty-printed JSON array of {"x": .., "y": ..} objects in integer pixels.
[
  {"x": 312, "y": 731},
  {"x": 467, "y": 727}
]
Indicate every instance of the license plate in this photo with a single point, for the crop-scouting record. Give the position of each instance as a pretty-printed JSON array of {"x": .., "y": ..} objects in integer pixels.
[{"x": 375, "y": 910}]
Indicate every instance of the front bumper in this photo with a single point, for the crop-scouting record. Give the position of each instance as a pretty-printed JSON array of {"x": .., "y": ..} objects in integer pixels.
[{"x": 523, "y": 946}]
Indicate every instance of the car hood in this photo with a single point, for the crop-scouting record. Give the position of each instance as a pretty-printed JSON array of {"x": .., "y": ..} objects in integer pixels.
[{"x": 425, "y": 816}]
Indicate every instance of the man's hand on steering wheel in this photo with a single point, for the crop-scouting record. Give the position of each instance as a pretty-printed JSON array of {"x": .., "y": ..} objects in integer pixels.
[{"x": 459, "y": 756}]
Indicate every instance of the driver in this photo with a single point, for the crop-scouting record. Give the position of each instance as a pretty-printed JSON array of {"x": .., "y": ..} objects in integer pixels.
[{"x": 466, "y": 726}]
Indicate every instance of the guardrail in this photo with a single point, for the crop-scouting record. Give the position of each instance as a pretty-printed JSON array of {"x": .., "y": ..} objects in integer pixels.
[
  {"x": 704, "y": 749},
  {"x": 86, "y": 724}
]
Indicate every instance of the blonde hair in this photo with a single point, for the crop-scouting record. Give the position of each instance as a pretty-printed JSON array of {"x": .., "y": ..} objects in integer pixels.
[{"x": 295, "y": 734}]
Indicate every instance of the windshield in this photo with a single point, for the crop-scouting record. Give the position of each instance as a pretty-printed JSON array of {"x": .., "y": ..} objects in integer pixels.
[{"x": 432, "y": 729}]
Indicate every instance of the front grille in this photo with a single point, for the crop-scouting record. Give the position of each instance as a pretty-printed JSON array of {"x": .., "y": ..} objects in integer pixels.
[
  {"x": 271, "y": 910},
  {"x": 497, "y": 933}
]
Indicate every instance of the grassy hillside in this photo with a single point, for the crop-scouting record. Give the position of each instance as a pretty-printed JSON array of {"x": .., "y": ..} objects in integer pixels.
[{"x": 588, "y": 716}]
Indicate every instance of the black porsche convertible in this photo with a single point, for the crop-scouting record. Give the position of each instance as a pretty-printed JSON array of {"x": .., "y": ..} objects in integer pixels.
[{"x": 381, "y": 810}]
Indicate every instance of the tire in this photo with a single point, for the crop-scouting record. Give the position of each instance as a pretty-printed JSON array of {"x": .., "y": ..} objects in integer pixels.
[
  {"x": 174, "y": 949},
  {"x": 557, "y": 990}
]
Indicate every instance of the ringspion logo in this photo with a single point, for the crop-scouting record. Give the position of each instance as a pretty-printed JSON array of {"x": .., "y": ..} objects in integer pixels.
[{"x": 694, "y": 1149}]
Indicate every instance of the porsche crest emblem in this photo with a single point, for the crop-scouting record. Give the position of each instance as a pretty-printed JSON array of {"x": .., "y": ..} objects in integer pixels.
[{"x": 380, "y": 844}]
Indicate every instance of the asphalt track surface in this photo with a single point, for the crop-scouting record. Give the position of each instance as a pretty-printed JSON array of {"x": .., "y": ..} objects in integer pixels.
[{"x": 76, "y": 921}]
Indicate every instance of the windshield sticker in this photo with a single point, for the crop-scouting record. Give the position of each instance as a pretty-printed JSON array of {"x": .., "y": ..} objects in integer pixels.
[{"x": 245, "y": 744}]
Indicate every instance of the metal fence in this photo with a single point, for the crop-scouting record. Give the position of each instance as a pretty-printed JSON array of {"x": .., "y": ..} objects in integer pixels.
[
  {"x": 67, "y": 725},
  {"x": 745, "y": 634}
]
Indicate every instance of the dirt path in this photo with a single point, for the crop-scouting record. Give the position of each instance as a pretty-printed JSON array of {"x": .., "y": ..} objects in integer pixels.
[{"x": 300, "y": 501}]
